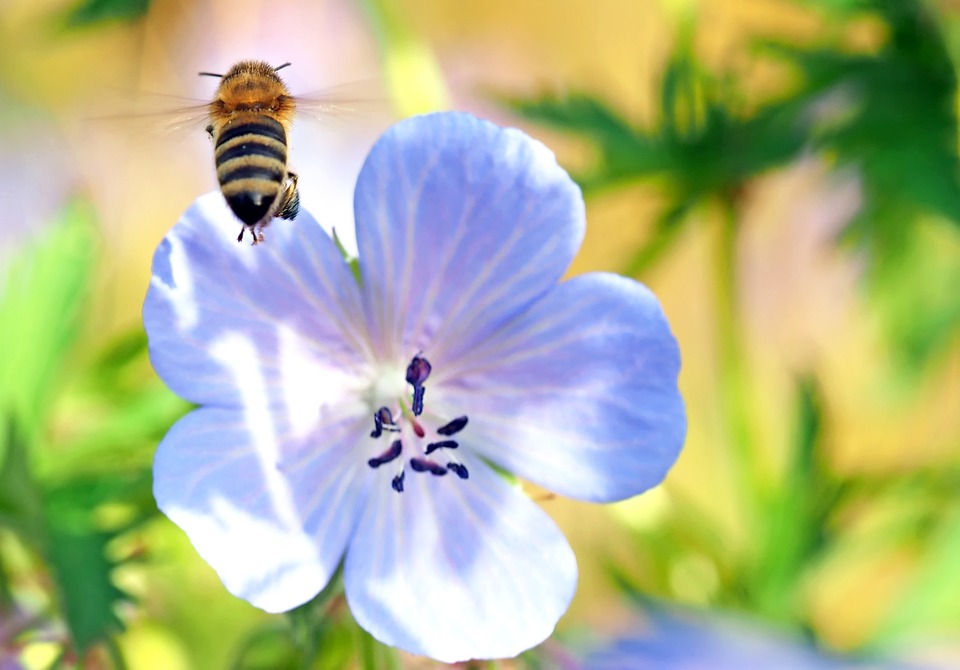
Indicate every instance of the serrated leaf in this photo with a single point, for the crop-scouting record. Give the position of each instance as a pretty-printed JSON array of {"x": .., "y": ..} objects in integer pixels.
[
  {"x": 88, "y": 596},
  {"x": 77, "y": 549}
]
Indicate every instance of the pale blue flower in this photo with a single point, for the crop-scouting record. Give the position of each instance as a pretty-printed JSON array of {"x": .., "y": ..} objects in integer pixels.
[
  {"x": 667, "y": 639},
  {"x": 306, "y": 450}
]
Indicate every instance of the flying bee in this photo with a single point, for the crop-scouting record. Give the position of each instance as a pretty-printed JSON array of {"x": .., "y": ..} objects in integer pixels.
[{"x": 249, "y": 123}]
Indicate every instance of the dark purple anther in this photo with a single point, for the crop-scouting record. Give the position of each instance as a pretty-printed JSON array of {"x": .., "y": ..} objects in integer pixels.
[
  {"x": 418, "y": 370},
  {"x": 460, "y": 469},
  {"x": 383, "y": 420},
  {"x": 453, "y": 427},
  {"x": 418, "y": 400},
  {"x": 387, "y": 456},
  {"x": 445, "y": 444},
  {"x": 397, "y": 483},
  {"x": 424, "y": 465}
]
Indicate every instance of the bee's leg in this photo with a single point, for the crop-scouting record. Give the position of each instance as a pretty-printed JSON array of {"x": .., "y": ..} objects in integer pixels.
[
  {"x": 290, "y": 201},
  {"x": 240, "y": 236}
]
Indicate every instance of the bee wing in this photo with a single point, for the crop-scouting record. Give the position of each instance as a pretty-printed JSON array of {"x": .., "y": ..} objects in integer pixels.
[
  {"x": 355, "y": 101},
  {"x": 158, "y": 116}
]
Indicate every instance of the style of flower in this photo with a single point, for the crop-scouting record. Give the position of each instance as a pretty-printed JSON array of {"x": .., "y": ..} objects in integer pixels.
[{"x": 371, "y": 422}]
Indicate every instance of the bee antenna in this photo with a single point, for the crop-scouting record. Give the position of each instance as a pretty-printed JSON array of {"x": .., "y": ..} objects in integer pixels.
[
  {"x": 209, "y": 74},
  {"x": 280, "y": 67}
]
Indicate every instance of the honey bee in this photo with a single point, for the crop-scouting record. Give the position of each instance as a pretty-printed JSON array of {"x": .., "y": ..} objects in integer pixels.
[{"x": 249, "y": 122}]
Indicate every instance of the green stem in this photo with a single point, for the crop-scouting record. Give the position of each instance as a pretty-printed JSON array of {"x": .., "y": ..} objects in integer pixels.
[{"x": 734, "y": 379}]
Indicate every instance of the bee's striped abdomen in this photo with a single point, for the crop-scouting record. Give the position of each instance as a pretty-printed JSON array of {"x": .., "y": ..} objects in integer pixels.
[{"x": 251, "y": 159}]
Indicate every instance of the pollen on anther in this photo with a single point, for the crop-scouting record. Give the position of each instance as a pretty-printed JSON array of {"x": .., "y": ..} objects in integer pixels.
[
  {"x": 390, "y": 454},
  {"x": 383, "y": 420},
  {"x": 453, "y": 427},
  {"x": 418, "y": 392},
  {"x": 459, "y": 469},
  {"x": 424, "y": 465},
  {"x": 443, "y": 444},
  {"x": 418, "y": 370}
]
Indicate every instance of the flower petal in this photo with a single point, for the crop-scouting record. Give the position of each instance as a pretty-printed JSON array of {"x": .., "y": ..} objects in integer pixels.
[
  {"x": 578, "y": 395},
  {"x": 460, "y": 225},
  {"x": 273, "y": 531},
  {"x": 458, "y": 569},
  {"x": 208, "y": 292}
]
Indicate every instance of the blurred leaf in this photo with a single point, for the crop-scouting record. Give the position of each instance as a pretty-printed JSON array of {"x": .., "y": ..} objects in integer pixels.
[
  {"x": 704, "y": 146},
  {"x": 41, "y": 300},
  {"x": 797, "y": 516},
  {"x": 79, "y": 563},
  {"x": 897, "y": 124},
  {"x": 915, "y": 295},
  {"x": 77, "y": 550},
  {"x": 21, "y": 506},
  {"x": 90, "y": 12},
  {"x": 625, "y": 153},
  {"x": 933, "y": 598}
]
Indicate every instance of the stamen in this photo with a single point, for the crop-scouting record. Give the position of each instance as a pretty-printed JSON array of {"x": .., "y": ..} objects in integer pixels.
[
  {"x": 418, "y": 370},
  {"x": 418, "y": 391},
  {"x": 383, "y": 420},
  {"x": 417, "y": 428},
  {"x": 397, "y": 483},
  {"x": 424, "y": 465},
  {"x": 458, "y": 468},
  {"x": 417, "y": 373},
  {"x": 387, "y": 456},
  {"x": 453, "y": 427},
  {"x": 445, "y": 444}
]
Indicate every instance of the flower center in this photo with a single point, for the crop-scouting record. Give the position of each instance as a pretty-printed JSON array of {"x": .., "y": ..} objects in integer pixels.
[{"x": 407, "y": 430}]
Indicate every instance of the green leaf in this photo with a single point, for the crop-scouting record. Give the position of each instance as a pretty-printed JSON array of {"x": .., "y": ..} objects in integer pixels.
[
  {"x": 21, "y": 506},
  {"x": 78, "y": 560},
  {"x": 77, "y": 549},
  {"x": 91, "y": 12},
  {"x": 41, "y": 301},
  {"x": 933, "y": 598},
  {"x": 798, "y": 516}
]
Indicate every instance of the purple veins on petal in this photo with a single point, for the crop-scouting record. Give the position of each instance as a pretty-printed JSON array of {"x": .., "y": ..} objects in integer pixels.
[
  {"x": 425, "y": 465},
  {"x": 453, "y": 427},
  {"x": 459, "y": 468},
  {"x": 445, "y": 444},
  {"x": 390, "y": 454}
]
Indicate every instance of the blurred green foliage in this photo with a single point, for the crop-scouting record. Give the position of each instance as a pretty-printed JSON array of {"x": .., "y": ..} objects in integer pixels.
[
  {"x": 92, "y": 12},
  {"x": 59, "y": 472}
]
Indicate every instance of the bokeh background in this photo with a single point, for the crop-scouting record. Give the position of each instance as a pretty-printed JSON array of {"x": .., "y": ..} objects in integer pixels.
[{"x": 782, "y": 173}]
